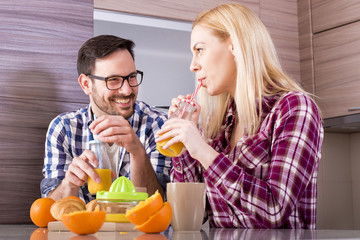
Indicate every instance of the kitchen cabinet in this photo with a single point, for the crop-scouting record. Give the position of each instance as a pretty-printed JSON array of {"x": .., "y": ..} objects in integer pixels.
[
  {"x": 38, "y": 45},
  {"x": 185, "y": 10},
  {"x": 328, "y": 14},
  {"x": 329, "y": 37},
  {"x": 337, "y": 70}
]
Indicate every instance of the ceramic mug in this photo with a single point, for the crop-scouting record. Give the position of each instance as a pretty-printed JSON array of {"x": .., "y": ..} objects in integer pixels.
[{"x": 187, "y": 201}]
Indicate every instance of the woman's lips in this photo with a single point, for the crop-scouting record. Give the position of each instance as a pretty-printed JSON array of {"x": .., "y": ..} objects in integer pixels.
[{"x": 202, "y": 80}]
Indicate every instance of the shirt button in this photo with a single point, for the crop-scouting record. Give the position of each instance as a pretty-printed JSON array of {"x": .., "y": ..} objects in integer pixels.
[{"x": 178, "y": 168}]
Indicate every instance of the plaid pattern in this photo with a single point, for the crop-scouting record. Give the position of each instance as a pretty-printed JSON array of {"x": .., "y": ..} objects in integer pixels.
[
  {"x": 267, "y": 180},
  {"x": 69, "y": 135}
]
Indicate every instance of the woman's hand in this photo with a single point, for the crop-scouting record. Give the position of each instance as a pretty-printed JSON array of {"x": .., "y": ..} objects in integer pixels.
[
  {"x": 187, "y": 132},
  {"x": 175, "y": 104}
]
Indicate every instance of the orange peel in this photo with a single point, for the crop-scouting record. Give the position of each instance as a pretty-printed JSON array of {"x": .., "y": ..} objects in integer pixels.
[
  {"x": 145, "y": 209},
  {"x": 84, "y": 222},
  {"x": 158, "y": 222}
]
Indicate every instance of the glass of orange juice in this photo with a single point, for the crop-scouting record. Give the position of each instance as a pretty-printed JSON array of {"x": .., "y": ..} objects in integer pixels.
[
  {"x": 185, "y": 110},
  {"x": 104, "y": 184},
  {"x": 103, "y": 169}
]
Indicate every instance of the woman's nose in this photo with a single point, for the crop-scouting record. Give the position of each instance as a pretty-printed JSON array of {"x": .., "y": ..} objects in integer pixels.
[{"x": 194, "y": 65}]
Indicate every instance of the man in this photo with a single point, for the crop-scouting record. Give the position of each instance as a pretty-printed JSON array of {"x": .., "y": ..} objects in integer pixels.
[{"x": 107, "y": 74}]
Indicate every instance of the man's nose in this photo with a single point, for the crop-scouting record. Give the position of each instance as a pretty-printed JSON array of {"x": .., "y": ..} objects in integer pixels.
[{"x": 125, "y": 88}]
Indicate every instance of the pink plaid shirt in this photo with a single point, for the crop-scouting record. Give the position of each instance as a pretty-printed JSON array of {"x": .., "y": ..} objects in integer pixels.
[{"x": 267, "y": 180}]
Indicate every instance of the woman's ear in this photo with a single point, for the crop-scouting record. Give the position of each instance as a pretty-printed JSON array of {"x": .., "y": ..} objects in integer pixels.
[
  {"x": 85, "y": 83},
  {"x": 231, "y": 47}
]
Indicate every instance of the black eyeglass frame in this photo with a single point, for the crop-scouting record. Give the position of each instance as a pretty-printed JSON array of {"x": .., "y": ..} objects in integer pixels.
[{"x": 123, "y": 77}]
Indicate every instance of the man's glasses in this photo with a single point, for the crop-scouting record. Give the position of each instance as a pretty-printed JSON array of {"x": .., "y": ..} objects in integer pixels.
[{"x": 113, "y": 83}]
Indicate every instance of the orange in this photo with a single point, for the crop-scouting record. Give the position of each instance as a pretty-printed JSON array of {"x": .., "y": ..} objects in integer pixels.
[
  {"x": 84, "y": 222},
  {"x": 73, "y": 197},
  {"x": 158, "y": 222},
  {"x": 39, "y": 234},
  {"x": 145, "y": 209},
  {"x": 171, "y": 151},
  {"x": 40, "y": 212}
]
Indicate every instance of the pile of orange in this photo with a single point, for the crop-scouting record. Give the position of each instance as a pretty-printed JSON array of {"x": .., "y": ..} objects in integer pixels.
[
  {"x": 152, "y": 215},
  {"x": 79, "y": 222}
]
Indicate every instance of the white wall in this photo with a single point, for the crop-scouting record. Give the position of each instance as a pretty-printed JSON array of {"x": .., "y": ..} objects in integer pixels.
[{"x": 162, "y": 52}]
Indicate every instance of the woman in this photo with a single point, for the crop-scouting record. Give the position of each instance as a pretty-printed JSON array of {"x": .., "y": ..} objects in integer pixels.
[{"x": 260, "y": 144}]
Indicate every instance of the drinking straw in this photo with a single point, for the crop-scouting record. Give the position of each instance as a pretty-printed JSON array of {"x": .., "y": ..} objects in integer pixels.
[
  {"x": 192, "y": 96},
  {"x": 196, "y": 90}
]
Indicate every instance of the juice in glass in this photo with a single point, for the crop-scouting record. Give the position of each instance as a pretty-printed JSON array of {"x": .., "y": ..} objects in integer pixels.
[
  {"x": 105, "y": 183},
  {"x": 171, "y": 151},
  {"x": 185, "y": 110}
]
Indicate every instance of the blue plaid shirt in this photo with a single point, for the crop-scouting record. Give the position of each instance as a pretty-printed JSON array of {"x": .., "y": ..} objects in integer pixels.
[{"x": 69, "y": 135}]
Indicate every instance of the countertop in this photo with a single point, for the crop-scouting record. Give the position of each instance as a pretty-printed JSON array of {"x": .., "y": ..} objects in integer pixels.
[{"x": 30, "y": 231}]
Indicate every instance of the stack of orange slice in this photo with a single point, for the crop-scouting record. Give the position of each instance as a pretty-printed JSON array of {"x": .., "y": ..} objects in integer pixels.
[{"x": 152, "y": 215}]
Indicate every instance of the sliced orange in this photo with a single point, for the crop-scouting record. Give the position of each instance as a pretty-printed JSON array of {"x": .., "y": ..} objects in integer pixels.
[
  {"x": 172, "y": 151},
  {"x": 158, "y": 222},
  {"x": 145, "y": 209},
  {"x": 84, "y": 222}
]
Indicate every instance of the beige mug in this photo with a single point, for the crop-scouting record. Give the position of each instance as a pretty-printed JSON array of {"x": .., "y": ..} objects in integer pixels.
[{"x": 187, "y": 201}]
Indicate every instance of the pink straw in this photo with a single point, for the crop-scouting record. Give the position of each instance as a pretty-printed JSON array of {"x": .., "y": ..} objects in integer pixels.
[
  {"x": 192, "y": 96},
  {"x": 196, "y": 90}
]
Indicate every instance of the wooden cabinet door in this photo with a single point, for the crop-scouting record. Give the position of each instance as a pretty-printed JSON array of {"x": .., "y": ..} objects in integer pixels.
[
  {"x": 337, "y": 70},
  {"x": 38, "y": 45},
  {"x": 185, "y": 10},
  {"x": 328, "y": 14}
]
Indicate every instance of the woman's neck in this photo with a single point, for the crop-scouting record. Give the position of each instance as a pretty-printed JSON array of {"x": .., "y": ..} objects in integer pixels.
[{"x": 237, "y": 133}]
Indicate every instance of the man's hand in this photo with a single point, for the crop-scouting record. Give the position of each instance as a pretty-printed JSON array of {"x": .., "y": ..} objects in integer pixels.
[
  {"x": 76, "y": 176},
  {"x": 116, "y": 129},
  {"x": 80, "y": 168}
]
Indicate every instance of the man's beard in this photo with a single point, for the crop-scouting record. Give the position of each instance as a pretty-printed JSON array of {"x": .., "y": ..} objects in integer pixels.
[{"x": 110, "y": 109}]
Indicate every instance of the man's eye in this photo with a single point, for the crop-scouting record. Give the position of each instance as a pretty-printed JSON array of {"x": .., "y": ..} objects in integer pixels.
[
  {"x": 113, "y": 79},
  {"x": 133, "y": 77}
]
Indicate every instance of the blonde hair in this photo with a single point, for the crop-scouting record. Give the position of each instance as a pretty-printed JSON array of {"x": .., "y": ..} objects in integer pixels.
[{"x": 259, "y": 71}]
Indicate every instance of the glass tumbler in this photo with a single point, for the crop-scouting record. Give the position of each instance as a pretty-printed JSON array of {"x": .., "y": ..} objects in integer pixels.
[
  {"x": 103, "y": 169},
  {"x": 185, "y": 111}
]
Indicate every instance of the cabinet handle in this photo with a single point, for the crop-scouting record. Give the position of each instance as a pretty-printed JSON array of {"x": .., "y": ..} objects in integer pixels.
[{"x": 354, "y": 109}]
